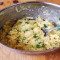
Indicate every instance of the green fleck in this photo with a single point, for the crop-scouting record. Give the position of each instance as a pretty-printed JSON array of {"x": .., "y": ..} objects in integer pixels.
[
  {"x": 58, "y": 28},
  {"x": 38, "y": 37},
  {"x": 19, "y": 22},
  {"x": 26, "y": 22},
  {"x": 39, "y": 45},
  {"x": 34, "y": 22},
  {"x": 39, "y": 42},
  {"x": 18, "y": 30},
  {"x": 24, "y": 18},
  {"x": 19, "y": 40},
  {"x": 26, "y": 30},
  {"x": 35, "y": 35},
  {"x": 32, "y": 28},
  {"x": 45, "y": 26},
  {"x": 53, "y": 47},
  {"x": 56, "y": 42},
  {"x": 24, "y": 38},
  {"x": 46, "y": 48},
  {"x": 32, "y": 46}
]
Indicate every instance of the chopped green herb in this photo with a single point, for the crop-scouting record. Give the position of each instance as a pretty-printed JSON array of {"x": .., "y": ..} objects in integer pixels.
[
  {"x": 19, "y": 40},
  {"x": 32, "y": 28},
  {"x": 56, "y": 42},
  {"x": 26, "y": 30},
  {"x": 23, "y": 31},
  {"x": 19, "y": 22},
  {"x": 53, "y": 47},
  {"x": 24, "y": 38},
  {"x": 35, "y": 35},
  {"x": 26, "y": 22},
  {"x": 58, "y": 28},
  {"x": 29, "y": 29},
  {"x": 18, "y": 30},
  {"x": 39, "y": 45},
  {"x": 24, "y": 18},
  {"x": 39, "y": 42},
  {"x": 38, "y": 37},
  {"x": 34, "y": 22},
  {"x": 32, "y": 46},
  {"x": 46, "y": 48},
  {"x": 45, "y": 26}
]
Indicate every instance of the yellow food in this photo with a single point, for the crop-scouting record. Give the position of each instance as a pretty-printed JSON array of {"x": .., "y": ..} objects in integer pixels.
[{"x": 28, "y": 35}]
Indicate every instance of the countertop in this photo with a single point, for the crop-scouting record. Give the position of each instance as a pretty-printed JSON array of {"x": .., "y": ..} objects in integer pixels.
[{"x": 6, "y": 54}]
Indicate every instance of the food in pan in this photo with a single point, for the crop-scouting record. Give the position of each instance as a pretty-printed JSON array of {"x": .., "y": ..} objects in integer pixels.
[{"x": 27, "y": 34}]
